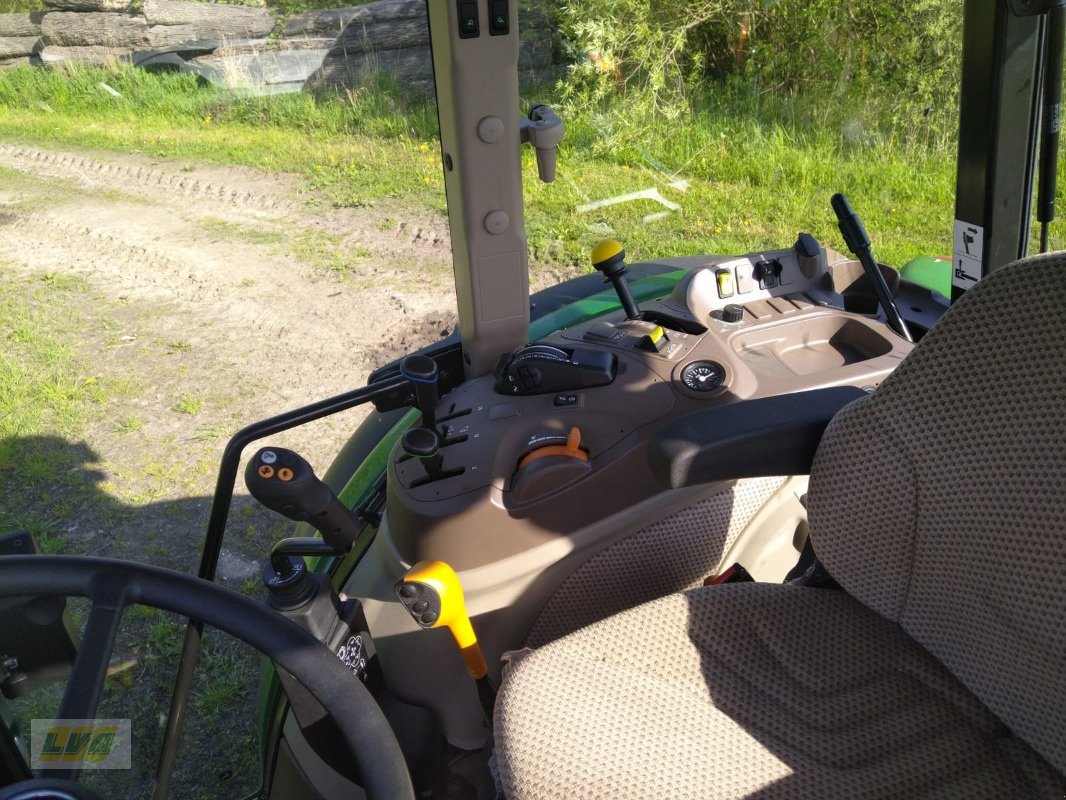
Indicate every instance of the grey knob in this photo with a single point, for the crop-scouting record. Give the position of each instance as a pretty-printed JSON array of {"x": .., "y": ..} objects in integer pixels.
[{"x": 732, "y": 313}]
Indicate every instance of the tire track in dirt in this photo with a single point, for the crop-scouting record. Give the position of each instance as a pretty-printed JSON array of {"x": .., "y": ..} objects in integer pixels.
[
  {"x": 119, "y": 175},
  {"x": 244, "y": 192},
  {"x": 257, "y": 318},
  {"x": 160, "y": 249}
]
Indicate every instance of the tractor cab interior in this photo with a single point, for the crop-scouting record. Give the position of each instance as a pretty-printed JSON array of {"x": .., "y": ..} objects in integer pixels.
[{"x": 748, "y": 525}]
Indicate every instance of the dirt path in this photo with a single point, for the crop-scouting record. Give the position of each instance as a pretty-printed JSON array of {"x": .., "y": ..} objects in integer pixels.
[
  {"x": 267, "y": 299},
  {"x": 236, "y": 245},
  {"x": 211, "y": 298}
]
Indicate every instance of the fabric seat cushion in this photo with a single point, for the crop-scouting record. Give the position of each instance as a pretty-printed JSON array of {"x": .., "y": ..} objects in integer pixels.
[
  {"x": 751, "y": 691},
  {"x": 939, "y": 501}
]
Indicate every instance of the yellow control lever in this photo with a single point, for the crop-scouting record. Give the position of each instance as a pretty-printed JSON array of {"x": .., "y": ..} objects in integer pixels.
[{"x": 432, "y": 594}]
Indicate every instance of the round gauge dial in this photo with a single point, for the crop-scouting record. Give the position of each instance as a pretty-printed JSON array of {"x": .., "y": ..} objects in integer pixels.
[{"x": 703, "y": 376}]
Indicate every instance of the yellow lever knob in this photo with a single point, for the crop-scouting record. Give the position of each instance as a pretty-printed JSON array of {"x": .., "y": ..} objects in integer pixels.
[
  {"x": 607, "y": 253},
  {"x": 432, "y": 594}
]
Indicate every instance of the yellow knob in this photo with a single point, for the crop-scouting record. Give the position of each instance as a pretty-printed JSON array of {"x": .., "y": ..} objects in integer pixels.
[
  {"x": 436, "y": 584},
  {"x": 607, "y": 253}
]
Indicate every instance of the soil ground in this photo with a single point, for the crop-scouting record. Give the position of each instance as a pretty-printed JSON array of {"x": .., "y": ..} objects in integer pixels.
[{"x": 208, "y": 298}]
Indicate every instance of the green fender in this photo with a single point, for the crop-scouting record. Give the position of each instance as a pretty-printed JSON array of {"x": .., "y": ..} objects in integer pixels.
[{"x": 931, "y": 272}]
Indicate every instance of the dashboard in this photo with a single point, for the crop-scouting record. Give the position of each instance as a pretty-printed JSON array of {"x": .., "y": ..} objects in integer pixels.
[{"x": 557, "y": 438}]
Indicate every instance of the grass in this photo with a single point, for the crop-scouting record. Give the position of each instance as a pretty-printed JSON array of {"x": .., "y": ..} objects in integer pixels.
[
  {"x": 246, "y": 234},
  {"x": 20, "y": 6},
  {"x": 46, "y": 398},
  {"x": 327, "y": 251},
  {"x": 129, "y": 424},
  {"x": 324, "y": 250},
  {"x": 189, "y": 404},
  {"x": 757, "y": 169}
]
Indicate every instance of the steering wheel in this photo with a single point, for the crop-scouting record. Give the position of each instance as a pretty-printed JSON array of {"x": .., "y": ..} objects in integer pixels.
[{"x": 112, "y": 585}]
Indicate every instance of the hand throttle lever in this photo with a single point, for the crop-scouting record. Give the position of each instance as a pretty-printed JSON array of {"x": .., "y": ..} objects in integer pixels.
[
  {"x": 284, "y": 482},
  {"x": 858, "y": 241}
]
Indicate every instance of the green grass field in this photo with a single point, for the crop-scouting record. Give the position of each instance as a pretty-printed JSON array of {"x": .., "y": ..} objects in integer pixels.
[{"x": 757, "y": 168}]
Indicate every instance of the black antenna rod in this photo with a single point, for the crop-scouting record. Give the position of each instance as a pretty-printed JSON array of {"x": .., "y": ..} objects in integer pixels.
[{"x": 1050, "y": 121}]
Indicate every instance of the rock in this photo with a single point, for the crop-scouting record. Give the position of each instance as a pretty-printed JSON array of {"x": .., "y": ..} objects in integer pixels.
[
  {"x": 335, "y": 20},
  {"x": 14, "y": 46},
  {"x": 173, "y": 23},
  {"x": 393, "y": 38},
  {"x": 93, "y": 56},
  {"x": 21, "y": 24},
  {"x": 273, "y": 67},
  {"x": 236, "y": 567},
  {"x": 323, "y": 21},
  {"x": 377, "y": 34},
  {"x": 94, "y": 29},
  {"x": 411, "y": 67},
  {"x": 89, "y": 5},
  {"x": 20, "y": 61}
]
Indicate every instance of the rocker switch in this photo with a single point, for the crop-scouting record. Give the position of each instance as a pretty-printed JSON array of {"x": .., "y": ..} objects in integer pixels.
[
  {"x": 468, "y": 21},
  {"x": 499, "y": 23}
]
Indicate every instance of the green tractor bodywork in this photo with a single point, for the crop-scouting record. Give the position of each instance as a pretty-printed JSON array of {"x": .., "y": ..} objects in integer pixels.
[{"x": 932, "y": 272}]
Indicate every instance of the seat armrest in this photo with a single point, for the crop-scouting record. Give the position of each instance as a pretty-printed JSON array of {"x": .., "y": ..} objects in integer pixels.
[{"x": 749, "y": 439}]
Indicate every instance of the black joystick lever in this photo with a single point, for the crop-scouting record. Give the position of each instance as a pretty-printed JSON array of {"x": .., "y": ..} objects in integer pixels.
[
  {"x": 422, "y": 372},
  {"x": 424, "y": 444},
  {"x": 858, "y": 241},
  {"x": 609, "y": 258},
  {"x": 284, "y": 482}
]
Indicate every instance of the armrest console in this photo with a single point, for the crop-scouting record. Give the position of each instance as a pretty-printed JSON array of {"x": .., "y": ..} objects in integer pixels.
[{"x": 749, "y": 439}]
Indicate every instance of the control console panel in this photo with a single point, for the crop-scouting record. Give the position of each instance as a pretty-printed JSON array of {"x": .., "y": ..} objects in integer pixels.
[{"x": 556, "y": 439}]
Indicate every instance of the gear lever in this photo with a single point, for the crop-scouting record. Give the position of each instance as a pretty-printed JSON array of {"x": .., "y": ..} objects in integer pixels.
[
  {"x": 609, "y": 258},
  {"x": 433, "y": 596},
  {"x": 423, "y": 373},
  {"x": 424, "y": 444}
]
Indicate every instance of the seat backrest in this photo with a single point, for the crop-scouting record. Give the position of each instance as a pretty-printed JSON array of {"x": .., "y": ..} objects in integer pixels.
[{"x": 939, "y": 501}]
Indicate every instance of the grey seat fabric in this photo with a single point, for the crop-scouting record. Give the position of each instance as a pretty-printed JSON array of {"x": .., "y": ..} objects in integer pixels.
[
  {"x": 939, "y": 504},
  {"x": 751, "y": 691},
  {"x": 940, "y": 500}
]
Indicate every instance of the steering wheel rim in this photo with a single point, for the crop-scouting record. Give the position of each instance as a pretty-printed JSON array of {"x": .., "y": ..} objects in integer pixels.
[{"x": 112, "y": 585}]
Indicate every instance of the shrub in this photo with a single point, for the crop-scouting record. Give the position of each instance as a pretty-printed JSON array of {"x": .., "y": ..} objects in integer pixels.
[{"x": 656, "y": 53}]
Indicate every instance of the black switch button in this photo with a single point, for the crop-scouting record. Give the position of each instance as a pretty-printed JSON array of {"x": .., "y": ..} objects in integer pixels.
[
  {"x": 529, "y": 376},
  {"x": 499, "y": 18},
  {"x": 565, "y": 400},
  {"x": 468, "y": 21},
  {"x": 768, "y": 273}
]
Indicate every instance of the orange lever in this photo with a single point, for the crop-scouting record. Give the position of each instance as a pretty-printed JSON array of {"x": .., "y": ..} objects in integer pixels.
[{"x": 572, "y": 449}]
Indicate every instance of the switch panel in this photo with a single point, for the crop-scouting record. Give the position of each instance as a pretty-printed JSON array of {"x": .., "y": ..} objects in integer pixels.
[
  {"x": 480, "y": 134},
  {"x": 469, "y": 26}
]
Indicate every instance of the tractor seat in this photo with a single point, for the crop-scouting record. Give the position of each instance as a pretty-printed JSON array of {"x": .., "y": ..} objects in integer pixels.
[{"x": 939, "y": 505}]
